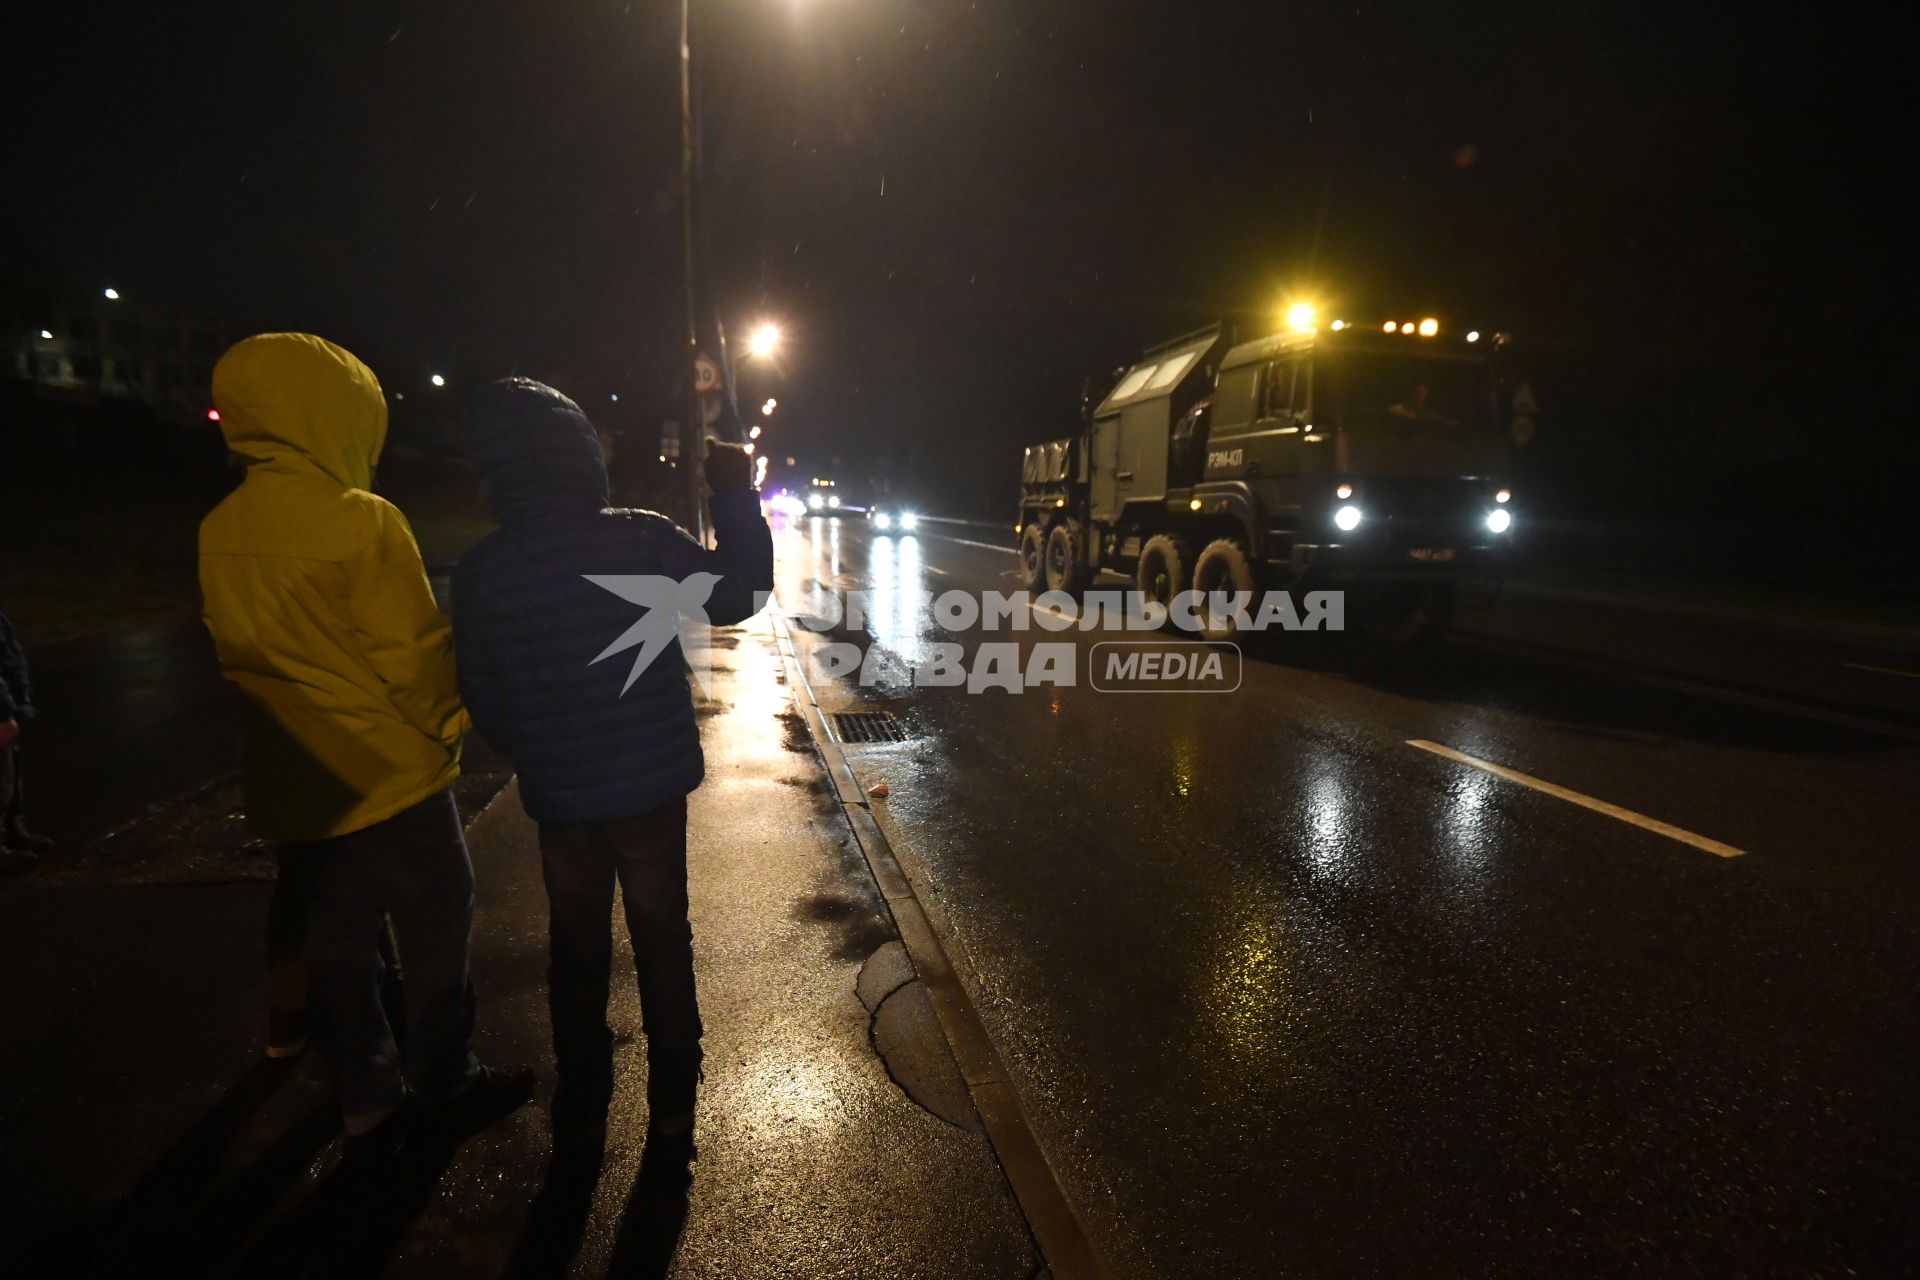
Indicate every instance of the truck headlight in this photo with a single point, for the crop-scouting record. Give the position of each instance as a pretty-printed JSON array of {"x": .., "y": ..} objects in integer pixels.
[
  {"x": 909, "y": 521},
  {"x": 1499, "y": 521},
  {"x": 1347, "y": 518},
  {"x": 881, "y": 520},
  {"x": 834, "y": 501},
  {"x": 815, "y": 502}
]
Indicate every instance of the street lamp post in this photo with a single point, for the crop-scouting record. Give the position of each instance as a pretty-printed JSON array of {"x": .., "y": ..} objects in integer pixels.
[
  {"x": 695, "y": 429},
  {"x": 765, "y": 340}
]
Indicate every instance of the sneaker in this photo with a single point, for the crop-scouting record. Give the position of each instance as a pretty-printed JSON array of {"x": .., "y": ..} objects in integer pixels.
[
  {"x": 492, "y": 1094},
  {"x": 286, "y": 1033}
]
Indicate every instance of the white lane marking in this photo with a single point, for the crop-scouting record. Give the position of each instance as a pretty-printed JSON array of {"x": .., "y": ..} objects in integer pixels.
[
  {"x": 1882, "y": 671},
  {"x": 969, "y": 542},
  {"x": 1640, "y": 820}
]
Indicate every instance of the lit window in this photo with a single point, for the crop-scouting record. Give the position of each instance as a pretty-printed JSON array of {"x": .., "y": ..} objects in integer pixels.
[
  {"x": 1170, "y": 372},
  {"x": 1132, "y": 382}
]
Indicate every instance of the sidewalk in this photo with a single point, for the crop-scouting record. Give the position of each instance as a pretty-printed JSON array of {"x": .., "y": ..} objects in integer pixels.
[{"x": 141, "y": 1132}]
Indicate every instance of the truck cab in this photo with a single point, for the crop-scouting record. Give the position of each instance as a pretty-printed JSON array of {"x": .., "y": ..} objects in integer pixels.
[{"x": 1364, "y": 455}]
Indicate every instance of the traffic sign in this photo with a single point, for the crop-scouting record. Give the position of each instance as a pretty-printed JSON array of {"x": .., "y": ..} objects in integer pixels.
[{"x": 706, "y": 374}]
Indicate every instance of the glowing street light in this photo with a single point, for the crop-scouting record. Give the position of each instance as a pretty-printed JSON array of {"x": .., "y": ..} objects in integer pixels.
[
  {"x": 766, "y": 410},
  {"x": 764, "y": 341},
  {"x": 437, "y": 380},
  {"x": 47, "y": 334},
  {"x": 1301, "y": 317},
  {"x": 753, "y": 432},
  {"x": 111, "y": 295}
]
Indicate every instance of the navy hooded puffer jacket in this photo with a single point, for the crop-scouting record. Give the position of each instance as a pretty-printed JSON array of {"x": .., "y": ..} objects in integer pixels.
[{"x": 527, "y": 625}]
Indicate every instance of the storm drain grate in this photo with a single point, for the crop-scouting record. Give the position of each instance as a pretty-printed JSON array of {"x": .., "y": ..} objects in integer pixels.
[{"x": 867, "y": 726}]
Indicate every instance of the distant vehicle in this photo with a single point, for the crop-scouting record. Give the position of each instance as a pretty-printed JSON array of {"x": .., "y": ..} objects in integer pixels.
[
  {"x": 892, "y": 517},
  {"x": 822, "y": 496},
  {"x": 1366, "y": 457}
]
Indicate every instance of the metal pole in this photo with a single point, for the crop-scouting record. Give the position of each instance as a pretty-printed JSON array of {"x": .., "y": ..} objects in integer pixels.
[{"x": 693, "y": 433}]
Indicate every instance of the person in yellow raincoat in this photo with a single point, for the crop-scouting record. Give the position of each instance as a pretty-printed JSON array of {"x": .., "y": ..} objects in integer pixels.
[{"x": 322, "y": 617}]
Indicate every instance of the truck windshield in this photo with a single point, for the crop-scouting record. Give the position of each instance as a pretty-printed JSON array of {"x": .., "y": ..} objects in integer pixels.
[{"x": 1416, "y": 389}]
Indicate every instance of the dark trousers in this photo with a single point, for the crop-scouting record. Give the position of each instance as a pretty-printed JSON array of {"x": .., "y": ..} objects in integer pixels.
[
  {"x": 10, "y": 790},
  {"x": 581, "y": 862},
  {"x": 412, "y": 868}
]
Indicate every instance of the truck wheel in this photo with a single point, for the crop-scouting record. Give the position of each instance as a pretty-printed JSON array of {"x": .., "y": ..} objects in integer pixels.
[
  {"x": 1222, "y": 567},
  {"x": 1162, "y": 572},
  {"x": 1033, "y": 556},
  {"x": 1066, "y": 570}
]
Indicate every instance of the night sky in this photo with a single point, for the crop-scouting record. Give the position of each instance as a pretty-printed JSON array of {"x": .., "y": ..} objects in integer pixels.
[{"x": 959, "y": 209}]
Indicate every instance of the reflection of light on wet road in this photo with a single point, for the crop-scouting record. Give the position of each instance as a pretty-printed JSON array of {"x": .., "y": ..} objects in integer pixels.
[
  {"x": 897, "y": 586},
  {"x": 1246, "y": 1002},
  {"x": 1327, "y": 826},
  {"x": 1465, "y": 824},
  {"x": 788, "y": 1090},
  {"x": 1185, "y": 754}
]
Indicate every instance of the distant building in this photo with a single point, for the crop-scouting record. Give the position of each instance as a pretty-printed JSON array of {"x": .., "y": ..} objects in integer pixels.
[{"x": 102, "y": 349}]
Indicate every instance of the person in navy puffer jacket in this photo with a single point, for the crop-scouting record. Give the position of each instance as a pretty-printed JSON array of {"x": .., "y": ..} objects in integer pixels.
[{"x": 605, "y": 756}]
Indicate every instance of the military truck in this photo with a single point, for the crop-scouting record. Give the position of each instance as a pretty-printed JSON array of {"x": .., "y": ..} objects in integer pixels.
[{"x": 1366, "y": 457}]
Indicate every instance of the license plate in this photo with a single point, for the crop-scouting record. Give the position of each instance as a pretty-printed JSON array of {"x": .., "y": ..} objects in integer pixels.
[{"x": 1441, "y": 554}]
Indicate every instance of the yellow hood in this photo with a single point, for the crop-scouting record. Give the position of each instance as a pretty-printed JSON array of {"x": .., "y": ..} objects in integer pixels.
[{"x": 295, "y": 402}]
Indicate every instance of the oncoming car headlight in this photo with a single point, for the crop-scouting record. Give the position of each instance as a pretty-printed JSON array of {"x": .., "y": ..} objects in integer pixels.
[
  {"x": 1347, "y": 518},
  {"x": 881, "y": 520},
  {"x": 909, "y": 521},
  {"x": 833, "y": 500},
  {"x": 815, "y": 502},
  {"x": 1499, "y": 520}
]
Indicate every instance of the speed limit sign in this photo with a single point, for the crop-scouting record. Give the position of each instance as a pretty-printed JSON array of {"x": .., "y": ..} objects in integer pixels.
[{"x": 706, "y": 374}]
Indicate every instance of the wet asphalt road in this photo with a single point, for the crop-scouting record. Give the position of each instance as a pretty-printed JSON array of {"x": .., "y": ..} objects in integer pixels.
[{"x": 1289, "y": 996}]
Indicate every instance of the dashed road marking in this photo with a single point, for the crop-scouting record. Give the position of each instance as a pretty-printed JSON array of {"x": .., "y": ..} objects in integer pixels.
[{"x": 1667, "y": 829}]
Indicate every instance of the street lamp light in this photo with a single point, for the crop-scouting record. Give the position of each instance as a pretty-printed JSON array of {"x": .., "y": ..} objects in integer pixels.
[
  {"x": 111, "y": 295},
  {"x": 764, "y": 340},
  {"x": 766, "y": 410},
  {"x": 437, "y": 380}
]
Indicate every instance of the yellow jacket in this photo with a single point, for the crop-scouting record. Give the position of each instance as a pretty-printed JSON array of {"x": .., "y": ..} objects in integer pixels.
[{"x": 319, "y": 606}]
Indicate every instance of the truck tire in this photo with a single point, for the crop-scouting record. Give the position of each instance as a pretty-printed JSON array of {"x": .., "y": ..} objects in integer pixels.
[
  {"x": 1223, "y": 566},
  {"x": 1066, "y": 567},
  {"x": 1164, "y": 569},
  {"x": 1033, "y": 556}
]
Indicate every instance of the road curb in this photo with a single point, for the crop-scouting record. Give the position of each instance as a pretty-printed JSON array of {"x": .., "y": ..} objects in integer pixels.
[{"x": 1066, "y": 1251}]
